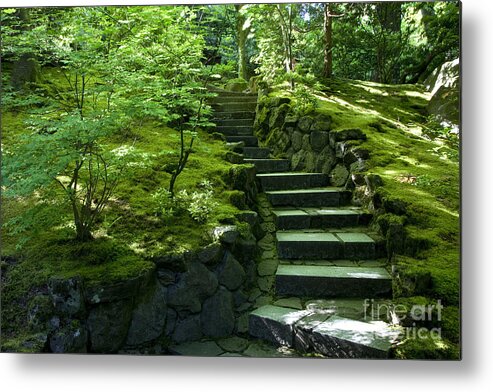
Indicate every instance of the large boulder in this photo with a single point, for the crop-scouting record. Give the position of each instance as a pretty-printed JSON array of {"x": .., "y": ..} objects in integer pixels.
[
  {"x": 444, "y": 85},
  {"x": 217, "y": 317},
  {"x": 148, "y": 317},
  {"x": 193, "y": 287},
  {"x": 188, "y": 329},
  {"x": 230, "y": 273},
  {"x": 108, "y": 325},
  {"x": 96, "y": 293},
  {"x": 71, "y": 338},
  {"x": 67, "y": 296}
]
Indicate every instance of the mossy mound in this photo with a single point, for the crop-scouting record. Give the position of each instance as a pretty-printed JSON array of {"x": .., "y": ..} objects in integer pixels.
[{"x": 131, "y": 232}]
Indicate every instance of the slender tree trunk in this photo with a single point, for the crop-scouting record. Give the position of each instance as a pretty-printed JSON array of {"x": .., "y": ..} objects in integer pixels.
[
  {"x": 327, "y": 73},
  {"x": 242, "y": 31},
  {"x": 287, "y": 32},
  {"x": 25, "y": 68},
  {"x": 388, "y": 50}
]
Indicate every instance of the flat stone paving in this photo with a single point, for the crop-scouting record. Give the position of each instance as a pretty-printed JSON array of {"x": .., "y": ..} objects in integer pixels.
[{"x": 242, "y": 348}]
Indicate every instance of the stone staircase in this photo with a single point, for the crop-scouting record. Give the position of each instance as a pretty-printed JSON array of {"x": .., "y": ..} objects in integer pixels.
[{"x": 326, "y": 256}]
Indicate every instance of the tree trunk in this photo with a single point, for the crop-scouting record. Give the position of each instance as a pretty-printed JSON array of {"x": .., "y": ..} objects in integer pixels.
[
  {"x": 388, "y": 50},
  {"x": 242, "y": 32},
  {"x": 327, "y": 73},
  {"x": 286, "y": 22},
  {"x": 25, "y": 68}
]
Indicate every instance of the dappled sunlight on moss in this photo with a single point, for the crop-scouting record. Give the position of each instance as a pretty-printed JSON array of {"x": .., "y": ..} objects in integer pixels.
[{"x": 422, "y": 174}]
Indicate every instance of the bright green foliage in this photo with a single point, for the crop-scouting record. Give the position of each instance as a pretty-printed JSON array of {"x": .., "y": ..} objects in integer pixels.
[
  {"x": 119, "y": 65},
  {"x": 108, "y": 134},
  {"x": 391, "y": 42},
  {"x": 199, "y": 204}
]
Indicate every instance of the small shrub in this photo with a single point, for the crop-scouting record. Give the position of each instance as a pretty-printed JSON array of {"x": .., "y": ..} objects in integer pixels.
[
  {"x": 198, "y": 204},
  {"x": 306, "y": 102},
  {"x": 201, "y": 204},
  {"x": 165, "y": 204}
]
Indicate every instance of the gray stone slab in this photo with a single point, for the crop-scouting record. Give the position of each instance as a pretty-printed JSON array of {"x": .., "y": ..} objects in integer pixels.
[
  {"x": 234, "y": 106},
  {"x": 355, "y": 237},
  {"x": 270, "y": 165},
  {"x": 305, "y": 197},
  {"x": 303, "y": 330},
  {"x": 293, "y": 303},
  {"x": 250, "y": 141},
  {"x": 292, "y": 180},
  {"x": 357, "y": 246},
  {"x": 329, "y": 282},
  {"x": 353, "y": 308},
  {"x": 345, "y": 338},
  {"x": 234, "y": 98},
  {"x": 234, "y": 344},
  {"x": 231, "y": 122},
  {"x": 291, "y": 219},
  {"x": 300, "y": 236},
  {"x": 256, "y": 152},
  {"x": 235, "y": 130},
  {"x": 328, "y": 218},
  {"x": 303, "y": 245},
  {"x": 197, "y": 349},
  {"x": 234, "y": 115},
  {"x": 275, "y": 324}
]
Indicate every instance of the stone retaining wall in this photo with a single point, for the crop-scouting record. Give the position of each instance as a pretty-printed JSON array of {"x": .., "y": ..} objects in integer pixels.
[
  {"x": 184, "y": 298},
  {"x": 309, "y": 141}
]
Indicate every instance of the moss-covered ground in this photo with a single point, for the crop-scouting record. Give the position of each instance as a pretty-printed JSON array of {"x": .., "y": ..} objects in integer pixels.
[
  {"x": 421, "y": 177},
  {"x": 130, "y": 233}
]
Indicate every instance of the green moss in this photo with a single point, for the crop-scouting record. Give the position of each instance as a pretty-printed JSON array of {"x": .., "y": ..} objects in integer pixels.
[
  {"x": 421, "y": 182},
  {"x": 130, "y": 234},
  {"x": 35, "y": 343},
  {"x": 451, "y": 323},
  {"x": 237, "y": 84},
  {"x": 385, "y": 220},
  {"x": 237, "y": 198},
  {"x": 427, "y": 346}
]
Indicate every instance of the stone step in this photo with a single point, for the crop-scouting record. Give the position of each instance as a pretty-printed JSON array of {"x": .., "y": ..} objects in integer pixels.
[
  {"x": 233, "y": 122},
  {"x": 292, "y": 180},
  {"x": 235, "y": 130},
  {"x": 340, "y": 337},
  {"x": 319, "y": 218},
  {"x": 324, "y": 197},
  {"x": 275, "y": 324},
  {"x": 270, "y": 165},
  {"x": 330, "y": 282},
  {"x": 250, "y": 141},
  {"x": 256, "y": 152},
  {"x": 234, "y": 106},
  {"x": 234, "y": 98},
  {"x": 324, "y": 245},
  {"x": 250, "y": 115},
  {"x": 226, "y": 93},
  {"x": 332, "y": 336}
]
